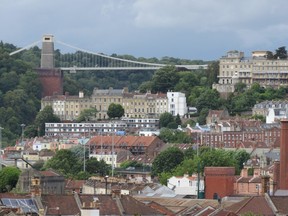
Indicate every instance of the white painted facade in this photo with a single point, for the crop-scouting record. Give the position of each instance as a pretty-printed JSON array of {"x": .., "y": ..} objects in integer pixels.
[
  {"x": 177, "y": 103},
  {"x": 149, "y": 133},
  {"x": 108, "y": 157},
  {"x": 185, "y": 185},
  {"x": 275, "y": 115},
  {"x": 38, "y": 146}
]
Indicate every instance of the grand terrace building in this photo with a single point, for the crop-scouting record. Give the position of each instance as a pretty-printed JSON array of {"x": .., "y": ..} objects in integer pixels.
[
  {"x": 136, "y": 105},
  {"x": 235, "y": 68}
]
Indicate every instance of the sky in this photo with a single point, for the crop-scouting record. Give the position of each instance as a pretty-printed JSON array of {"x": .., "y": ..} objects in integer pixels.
[{"x": 186, "y": 29}]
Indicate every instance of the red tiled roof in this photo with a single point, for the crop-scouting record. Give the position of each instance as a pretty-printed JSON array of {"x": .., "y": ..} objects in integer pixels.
[
  {"x": 161, "y": 208},
  {"x": 60, "y": 204},
  {"x": 49, "y": 173},
  {"x": 73, "y": 184},
  {"x": 107, "y": 204},
  {"x": 134, "y": 207},
  {"x": 280, "y": 203},
  {"x": 244, "y": 179},
  {"x": 123, "y": 140},
  {"x": 257, "y": 205}
]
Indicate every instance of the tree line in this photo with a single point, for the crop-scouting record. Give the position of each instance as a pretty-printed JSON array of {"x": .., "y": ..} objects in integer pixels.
[{"x": 175, "y": 162}]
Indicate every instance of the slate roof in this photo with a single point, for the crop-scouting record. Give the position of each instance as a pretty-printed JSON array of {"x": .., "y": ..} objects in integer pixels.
[{"x": 60, "y": 204}]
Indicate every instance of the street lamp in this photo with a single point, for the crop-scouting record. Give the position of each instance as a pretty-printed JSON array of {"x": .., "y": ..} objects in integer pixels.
[
  {"x": 22, "y": 133},
  {"x": 106, "y": 178},
  {"x": 1, "y": 148},
  {"x": 84, "y": 164}
]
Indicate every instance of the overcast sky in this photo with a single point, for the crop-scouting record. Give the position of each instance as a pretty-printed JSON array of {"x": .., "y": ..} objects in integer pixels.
[{"x": 190, "y": 29}]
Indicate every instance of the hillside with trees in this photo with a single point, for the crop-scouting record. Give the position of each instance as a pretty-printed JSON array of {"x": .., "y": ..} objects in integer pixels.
[{"x": 20, "y": 89}]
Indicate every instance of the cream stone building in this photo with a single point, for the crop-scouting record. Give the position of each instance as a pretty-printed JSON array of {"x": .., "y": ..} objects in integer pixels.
[
  {"x": 67, "y": 107},
  {"x": 136, "y": 105},
  {"x": 235, "y": 68},
  {"x": 102, "y": 98}
]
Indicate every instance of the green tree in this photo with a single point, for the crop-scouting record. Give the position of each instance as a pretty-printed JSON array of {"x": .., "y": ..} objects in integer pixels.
[
  {"x": 164, "y": 79},
  {"x": 8, "y": 178},
  {"x": 93, "y": 167},
  {"x": 259, "y": 117},
  {"x": 115, "y": 111},
  {"x": 167, "y": 160},
  {"x": 240, "y": 87},
  {"x": 212, "y": 73},
  {"x": 38, "y": 165},
  {"x": 65, "y": 162},
  {"x": 166, "y": 134},
  {"x": 87, "y": 114},
  {"x": 241, "y": 157},
  {"x": 165, "y": 119},
  {"x": 280, "y": 53},
  {"x": 202, "y": 116},
  {"x": 269, "y": 55},
  {"x": 178, "y": 120},
  {"x": 164, "y": 176},
  {"x": 30, "y": 83},
  {"x": 130, "y": 163},
  {"x": 209, "y": 98},
  {"x": 189, "y": 153},
  {"x": 45, "y": 116},
  {"x": 172, "y": 125},
  {"x": 9, "y": 81},
  {"x": 187, "y": 81}
]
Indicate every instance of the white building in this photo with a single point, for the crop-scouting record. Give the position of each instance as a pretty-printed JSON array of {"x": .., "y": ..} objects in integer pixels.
[
  {"x": 275, "y": 115},
  {"x": 177, "y": 103},
  {"x": 73, "y": 128},
  {"x": 107, "y": 156},
  {"x": 185, "y": 185},
  {"x": 144, "y": 132}
]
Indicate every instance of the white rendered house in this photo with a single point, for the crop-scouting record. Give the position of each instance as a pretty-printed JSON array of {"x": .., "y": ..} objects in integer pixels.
[
  {"x": 177, "y": 103},
  {"x": 185, "y": 185}
]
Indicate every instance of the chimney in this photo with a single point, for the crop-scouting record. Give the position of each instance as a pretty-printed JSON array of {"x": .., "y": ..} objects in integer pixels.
[
  {"x": 265, "y": 184},
  {"x": 116, "y": 193},
  {"x": 276, "y": 175},
  {"x": 35, "y": 187},
  {"x": 244, "y": 172},
  {"x": 283, "y": 155}
]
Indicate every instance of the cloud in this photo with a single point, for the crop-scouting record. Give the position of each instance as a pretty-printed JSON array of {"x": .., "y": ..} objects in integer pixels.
[{"x": 149, "y": 27}]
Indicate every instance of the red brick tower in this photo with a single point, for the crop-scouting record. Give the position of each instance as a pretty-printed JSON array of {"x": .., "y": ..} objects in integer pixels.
[
  {"x": 51, "y": 78},
  {"x": 219, "y": 180},
  {"x": 283, "y": 155}
]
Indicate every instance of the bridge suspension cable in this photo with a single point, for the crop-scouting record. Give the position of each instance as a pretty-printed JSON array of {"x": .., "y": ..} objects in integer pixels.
[
  {"x": 111, "y": 57},
  {"x": 88, "y": 60},
  {"x": 24, "y": 48}
]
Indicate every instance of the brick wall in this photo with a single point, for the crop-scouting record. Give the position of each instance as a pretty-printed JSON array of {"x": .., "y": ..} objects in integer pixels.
[
  {"x": 51, "y": 80},
  {"x": 219, "y": 180}
]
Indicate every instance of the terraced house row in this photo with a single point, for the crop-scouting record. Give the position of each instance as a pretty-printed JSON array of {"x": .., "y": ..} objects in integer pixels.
[
  {"x": 236, "y": 68},
  {"x": 136, "y": 105}
]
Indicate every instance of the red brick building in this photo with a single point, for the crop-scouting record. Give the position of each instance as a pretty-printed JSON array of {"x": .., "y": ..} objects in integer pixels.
[
  {"x": 137, "y": 145},
  {"x": 219, "y": 181}
]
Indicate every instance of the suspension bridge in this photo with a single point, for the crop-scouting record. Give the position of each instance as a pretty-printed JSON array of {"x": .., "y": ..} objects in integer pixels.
[{"x": 85, "y": 60}]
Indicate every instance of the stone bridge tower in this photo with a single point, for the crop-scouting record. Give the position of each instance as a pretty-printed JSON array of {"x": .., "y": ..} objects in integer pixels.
[{"x": 51, "y": 78}]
